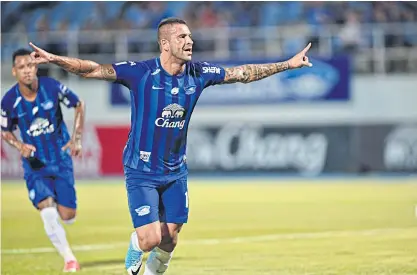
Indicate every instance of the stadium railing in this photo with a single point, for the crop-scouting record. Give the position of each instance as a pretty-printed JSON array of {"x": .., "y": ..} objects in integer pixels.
[{"x": 383, "y": 48}]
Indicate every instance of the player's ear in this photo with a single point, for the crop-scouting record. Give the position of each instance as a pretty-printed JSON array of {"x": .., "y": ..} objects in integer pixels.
[
  {"x": 164, "y": 45},
  {"x": 13, "y": 71}
]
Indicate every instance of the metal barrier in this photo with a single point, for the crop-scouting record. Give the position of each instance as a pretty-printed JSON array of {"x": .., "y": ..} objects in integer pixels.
[{"x": 384, "y": 48}]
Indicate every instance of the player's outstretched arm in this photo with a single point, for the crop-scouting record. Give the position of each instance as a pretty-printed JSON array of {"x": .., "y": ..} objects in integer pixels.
[
  {"x": 24, "y": 149},
  {"x": 254, "y": 72},
  {"x": 83, "y": 68}
]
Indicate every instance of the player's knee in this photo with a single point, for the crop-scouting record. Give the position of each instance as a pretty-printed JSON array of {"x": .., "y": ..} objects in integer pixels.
[
  {"x": 147, "y": 242},
  {"x": 48, "y": 202},
  {"x": 67, "y": 214}
]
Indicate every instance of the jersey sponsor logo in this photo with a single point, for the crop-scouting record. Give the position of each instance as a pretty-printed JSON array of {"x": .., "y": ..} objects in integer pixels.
[
  {"x": 213, "y": 70},
  {"x": 170, "y": 117},
  {"x": 190, "y": 90},
  {"x": 35, "y": 110},
  {"x": 156, "y": 72},
  {"x": 175, "y": 90},
  {"x": 157, "y": 88},
  {"x": 47, "y": 105},
  {"x": 143, "y": 210},
  {"x": 40, "y": 126},
  {"x": 144, "y": 156}
]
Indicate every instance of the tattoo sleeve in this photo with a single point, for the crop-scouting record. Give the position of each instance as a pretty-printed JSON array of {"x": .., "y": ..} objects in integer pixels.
[
  {"x": 11, "y": 139},
  {"x": 79, "y": 121},
  {"x": 253, "y": 72},
  {"x": 85, "y": 68}
]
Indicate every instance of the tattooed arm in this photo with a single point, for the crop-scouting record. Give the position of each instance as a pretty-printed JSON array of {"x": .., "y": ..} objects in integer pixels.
[
  {"x": 253, "y": 72},
  {"x": 83, "y": 68}
]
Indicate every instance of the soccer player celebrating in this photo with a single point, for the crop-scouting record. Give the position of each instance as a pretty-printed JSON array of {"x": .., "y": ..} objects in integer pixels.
[
  {"x": 33, "y": 105},
  {"x": 164, "y": 92}
]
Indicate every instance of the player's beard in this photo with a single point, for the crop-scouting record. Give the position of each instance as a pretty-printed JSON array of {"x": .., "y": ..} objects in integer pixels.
[{"x": 182, "y": 55}]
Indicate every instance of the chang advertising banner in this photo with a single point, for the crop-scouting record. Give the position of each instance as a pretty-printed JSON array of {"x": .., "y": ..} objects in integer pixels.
[
  {"x": 389, "y": 148},
  {"x": 327, "y": 80},
  {"x": 242, "y": 147},
  {"x": 239, "y": 147}
]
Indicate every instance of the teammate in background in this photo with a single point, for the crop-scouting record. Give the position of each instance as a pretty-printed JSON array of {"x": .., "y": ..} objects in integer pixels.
[
  {"x": 164, "y": 91},
  {"x": 33, "y": 105}
]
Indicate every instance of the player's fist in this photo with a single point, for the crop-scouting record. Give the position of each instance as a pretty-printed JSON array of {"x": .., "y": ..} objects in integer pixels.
[
  {"x": 300, "y": 59},
  {"x": 40, "y": 56},
  {"x": 26, "y": 150},
  {"x": 75, "y": 147}
]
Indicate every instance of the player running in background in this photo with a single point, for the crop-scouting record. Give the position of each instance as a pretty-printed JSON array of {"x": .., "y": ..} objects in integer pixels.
[
  {"x": 164, "y": 92},
  {"x": 33, "y": 105}
]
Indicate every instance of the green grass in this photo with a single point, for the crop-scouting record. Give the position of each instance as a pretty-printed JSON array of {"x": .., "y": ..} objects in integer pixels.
[{"x": 334, "y": 227}]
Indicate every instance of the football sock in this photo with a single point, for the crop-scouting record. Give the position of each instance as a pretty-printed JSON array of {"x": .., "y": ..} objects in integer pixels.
[
  {"x": 157, "y": 262},
  {"x": 56, "y": 233}
]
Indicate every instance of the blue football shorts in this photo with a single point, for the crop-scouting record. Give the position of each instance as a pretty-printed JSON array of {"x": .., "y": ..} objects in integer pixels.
[
  {"x": 56, "y": 181},
  {"x": 158, "y": 198}
]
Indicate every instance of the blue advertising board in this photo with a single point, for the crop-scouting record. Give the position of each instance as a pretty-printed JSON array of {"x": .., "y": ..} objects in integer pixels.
[{"x": 328, "y": 80}]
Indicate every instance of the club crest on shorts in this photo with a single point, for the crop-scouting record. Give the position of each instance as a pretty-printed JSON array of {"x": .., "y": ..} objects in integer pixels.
[{"x": 143, "y": 210}]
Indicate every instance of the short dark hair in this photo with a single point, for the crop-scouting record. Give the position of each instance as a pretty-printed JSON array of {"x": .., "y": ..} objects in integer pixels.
[
  {"x": 20, "y": 52},
  {"x": 170, "y": 20}
]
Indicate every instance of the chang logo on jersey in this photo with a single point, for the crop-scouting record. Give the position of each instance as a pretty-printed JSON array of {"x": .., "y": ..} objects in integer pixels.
[
  {"x": 171, "y": 117},
  {"x": 39, "y": 127}
]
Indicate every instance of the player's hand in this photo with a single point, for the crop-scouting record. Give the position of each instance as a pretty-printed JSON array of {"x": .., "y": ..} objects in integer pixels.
[
  {"x": 300, "y": 59},
  {"x": 26, "y": 150},
  {"x": 40, "y": 56},
  {"x": 75, "y": 147}
]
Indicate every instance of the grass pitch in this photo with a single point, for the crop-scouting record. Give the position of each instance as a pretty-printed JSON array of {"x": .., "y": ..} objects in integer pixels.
[{"x": 255, "y": 227}]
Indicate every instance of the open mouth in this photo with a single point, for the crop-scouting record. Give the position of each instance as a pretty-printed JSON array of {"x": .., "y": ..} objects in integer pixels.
[{"x": 190, "y": 51}]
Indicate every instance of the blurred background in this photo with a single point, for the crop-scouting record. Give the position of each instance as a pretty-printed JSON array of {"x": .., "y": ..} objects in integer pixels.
[{"x": 354, "y": 112}]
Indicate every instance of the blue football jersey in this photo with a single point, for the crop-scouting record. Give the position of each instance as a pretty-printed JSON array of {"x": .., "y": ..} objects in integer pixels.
[
  {"x": 40, "y": 122},
  {"x": 161, "y": 108}
]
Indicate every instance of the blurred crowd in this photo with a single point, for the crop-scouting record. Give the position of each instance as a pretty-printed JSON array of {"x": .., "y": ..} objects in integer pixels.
[
  {"x": 66, "y": 15},
  {"x": 308, "y": 18}
]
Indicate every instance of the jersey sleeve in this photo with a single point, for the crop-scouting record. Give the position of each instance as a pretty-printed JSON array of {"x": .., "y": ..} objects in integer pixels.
[
  {"x": 7, "y": 123},
  {"x": 127, "y": 72},
  {"x": 212, "y": 74},
  {"x": 66, "y": 96}
]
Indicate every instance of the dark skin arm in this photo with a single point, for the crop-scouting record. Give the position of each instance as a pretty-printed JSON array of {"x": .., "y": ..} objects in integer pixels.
[
  {"x": 74, "y": 144},
  {"x": 24, "y": 149}
]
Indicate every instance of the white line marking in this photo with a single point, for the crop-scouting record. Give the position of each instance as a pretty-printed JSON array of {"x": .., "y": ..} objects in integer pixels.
[{"x": 261, "y": 238}]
